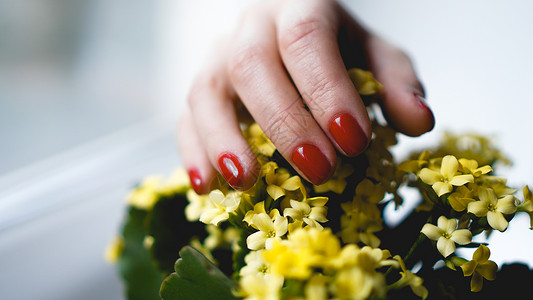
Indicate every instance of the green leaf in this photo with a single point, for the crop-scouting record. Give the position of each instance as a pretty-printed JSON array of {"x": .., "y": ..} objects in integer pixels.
[
  {"x": 141, "y": 278},
  {"x": 196, "y": 278}
]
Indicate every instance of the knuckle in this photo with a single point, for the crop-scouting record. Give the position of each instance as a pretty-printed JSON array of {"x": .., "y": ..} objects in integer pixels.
[
  {"x": 322, "y": 89},
  {"x": 205, "y": 83},
  {"x": 243, "y": 62},
  {"x": 299, "y": 34}
]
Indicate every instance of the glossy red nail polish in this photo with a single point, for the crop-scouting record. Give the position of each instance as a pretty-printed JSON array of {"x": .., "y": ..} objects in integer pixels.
[
  {"x": 231, "y": 169},
  {"x": 196, "y": 180},
  {"x": 312, "y": 162},
  {"x": 348, "y": 134}
]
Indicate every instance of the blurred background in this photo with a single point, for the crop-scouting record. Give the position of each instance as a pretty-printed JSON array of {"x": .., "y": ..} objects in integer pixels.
[{"x": 90, "y": 91}]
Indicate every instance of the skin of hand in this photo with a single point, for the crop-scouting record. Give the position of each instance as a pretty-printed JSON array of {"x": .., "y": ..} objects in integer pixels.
[{"x": 283, "y": 57}]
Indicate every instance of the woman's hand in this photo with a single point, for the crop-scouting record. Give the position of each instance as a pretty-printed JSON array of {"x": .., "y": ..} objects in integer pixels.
[{"x": 286, "y": 55}]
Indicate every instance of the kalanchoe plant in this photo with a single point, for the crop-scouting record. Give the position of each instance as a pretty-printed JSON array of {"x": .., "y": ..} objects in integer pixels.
[{"x": 288, "y": 239}]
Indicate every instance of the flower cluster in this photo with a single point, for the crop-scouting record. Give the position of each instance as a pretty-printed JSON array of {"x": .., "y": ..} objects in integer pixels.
[{"x": 289, "y": 239}]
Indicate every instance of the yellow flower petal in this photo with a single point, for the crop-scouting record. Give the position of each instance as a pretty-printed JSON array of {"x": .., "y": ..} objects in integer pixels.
[
  {"x": 462, "y": 236},
  {"x": 460, "y": 180},
  {"x": 449, "y": 166},
  {"x": 497, "y": 220},
  {"x": 429, "y": 176},
  {"x": 431, "y": 231},
  {"x": 445, "y": 246},
  {"x": 275, "y": 191},
  {"x": 441, "y": 188}
]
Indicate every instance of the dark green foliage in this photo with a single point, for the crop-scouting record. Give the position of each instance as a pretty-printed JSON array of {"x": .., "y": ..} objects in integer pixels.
[
  {"x": 171, "y": 231},
  {"x": 141, "y": 278}
]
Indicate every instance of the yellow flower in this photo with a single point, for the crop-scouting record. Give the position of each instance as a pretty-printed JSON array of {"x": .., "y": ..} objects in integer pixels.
[
  {"x": 413, "y": 166},
  {"x": 367, "y": 195},
  {"x": 258, "y": 208},
  {"x": 146, "y": 194},
  {"x": 311, "y": 211},
  {"x": 355, "y": 283},
  {"x": 279, "y": 180},
  {"x": 259, "y": 141},
  {"x": 316, "y": 288},
  {"x": 493, "y": 208},
  {"x": 360, "y": 227},
  {"x": 409, "y": 278},
  {"x": 114, "y": 249},
  {"x": 255, "y": 264},
  {"x": 461, "y": 197},
  {"x": 527, "y": 204},
  {"x": 303, "y": 251},
  {"x": 446, "y": 177},
  {"x": 471, "y": 166},
  {"x": 223, "y": 205},
  {"x": 337, "y": 182},
  {"x": 290, "y": 260},
  {"x": 446, "y": 235},
  {"x": 480, "y": 267},
  {"x": 270, "y": 229},
  {"x": 364, "y": 82},
  {"x": 259, "y": 287},
  {"x": 197, "y": 205}
]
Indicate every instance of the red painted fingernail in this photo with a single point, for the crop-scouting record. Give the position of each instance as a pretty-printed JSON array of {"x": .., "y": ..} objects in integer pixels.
[
  {"x": 231, "y": 169},
  {"x": 196, "y": 180},
  {"x": 422, "y": 103},
  {"x": 348, "y": 134},
  {"x": 312, "y": 162}
]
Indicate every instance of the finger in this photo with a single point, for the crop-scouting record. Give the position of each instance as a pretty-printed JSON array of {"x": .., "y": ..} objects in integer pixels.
[
  {"x": 194, "y": 157},
  {"x": 211, "y": 103},
  {"x": 403, "y": 96},
  {"x": 263, "y": 85},
  {"x": 308, "y": 43}
]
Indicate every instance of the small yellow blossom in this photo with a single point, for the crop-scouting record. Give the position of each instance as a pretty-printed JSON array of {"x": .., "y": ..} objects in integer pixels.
[
  {"x": 223, "y": 205},
  {"x": 364, "y": 82},
  {"x": 197, "y": 205},
  {"x": 177, "y": 183},
  {"x": 146, "y": 194},
  {"x": 409, "y": 278},
  {"x": 304, "y": 250},
  {"x": 360, "y": 227},
  {"x": 259, "y": 141},
  {"x": 270, "y": 229},
  {"x": 461, "y": 197},
  {"x": 446, "y": 235},
  {"x": 255, "y": 264},
  {"x": 114, "y": 249},
  {"x": 258, "y": 209},
  {"x": 415, "y": 165},
  {"x": 470, "y": 166},
  {"x": 316, "y": 288},
  {"x": 493, "y": 208},
  {"x": 337, "y": 182},
  {"x": 311, "y": 211},
  {"x": 290, "y": 261},
  {"x": 527, "y": 204},
  {"x": 355, "y": 283},
  {"x": 480, "y": 267},
  {"x": 279, "y": 180},
  {"x": 261, "y": 287},
  {"x": 446, "y": 177},
  {"x": 367, "y": 196}
]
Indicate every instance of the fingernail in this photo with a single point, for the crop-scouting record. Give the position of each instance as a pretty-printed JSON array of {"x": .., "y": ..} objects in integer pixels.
[
  {"x": 422, "y": 103},
  {"x": 196, "y": 180},
  {"x": 231, "y": 169},
  {"x": 348, "y": 134},
  {"x": 312, "y": 162}
]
